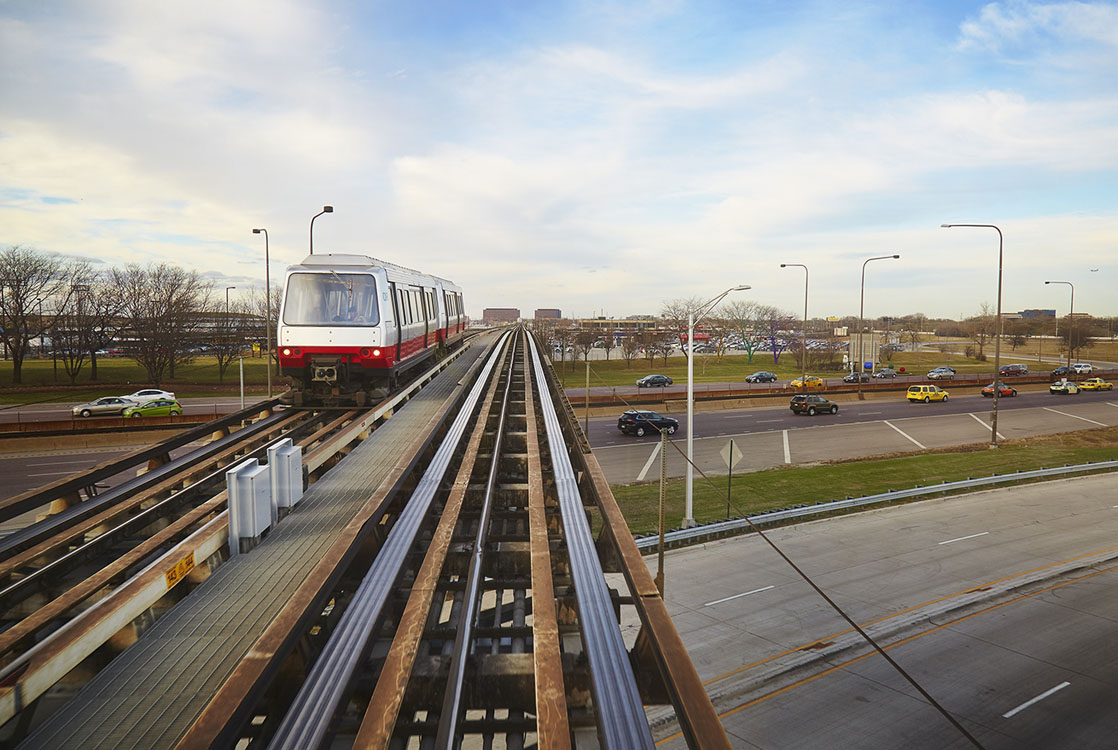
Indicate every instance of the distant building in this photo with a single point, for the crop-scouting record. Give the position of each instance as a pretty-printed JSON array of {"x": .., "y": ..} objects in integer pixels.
[
  {"x": 548, "y": 313},
  {"x": 500, "y": 315},
  {"x": 1037, "y": 313}
]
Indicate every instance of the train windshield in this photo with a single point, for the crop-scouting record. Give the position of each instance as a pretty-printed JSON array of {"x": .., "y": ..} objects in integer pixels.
[{"x": 334, "y": 299}]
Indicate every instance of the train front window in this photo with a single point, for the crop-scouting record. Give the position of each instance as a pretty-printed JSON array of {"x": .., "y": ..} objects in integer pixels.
[{"x": 333, "y": 299}]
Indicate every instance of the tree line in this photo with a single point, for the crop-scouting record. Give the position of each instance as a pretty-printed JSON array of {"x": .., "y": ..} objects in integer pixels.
[{"x": 160, "y": 315}]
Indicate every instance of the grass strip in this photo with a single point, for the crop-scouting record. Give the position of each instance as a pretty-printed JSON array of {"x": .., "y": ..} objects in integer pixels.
[{"x": 787, "y": 486}]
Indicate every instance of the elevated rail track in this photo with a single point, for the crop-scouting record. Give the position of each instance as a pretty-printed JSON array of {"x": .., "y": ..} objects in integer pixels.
[{"x": 457, "y": 575}]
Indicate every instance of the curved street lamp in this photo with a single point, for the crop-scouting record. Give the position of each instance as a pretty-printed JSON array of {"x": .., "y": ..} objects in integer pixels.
[
  {"x": 998, "y": 339},
  {"x": 267, "y": 309},
  {"x": 803, "y": 329},
  {"x": 861, "y": 314},
  {"x": 700, "y": 313},
  {"x": 325, "y": 210},
  {"x": 1071, "y": 311}
]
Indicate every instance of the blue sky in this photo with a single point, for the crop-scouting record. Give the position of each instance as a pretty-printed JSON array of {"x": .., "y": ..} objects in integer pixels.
[{"x": 591, "y": 156}]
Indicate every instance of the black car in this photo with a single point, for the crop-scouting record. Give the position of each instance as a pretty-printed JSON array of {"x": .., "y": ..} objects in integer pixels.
[
  {"x": 1062, "y": 372},
  {"x": 638, "y": 422},
  {"x": 761, "y": 377},
  {"x": 854, "y": 377},
  {"x": 650, "y": 381},
  {"x": 812, "y": 404}
]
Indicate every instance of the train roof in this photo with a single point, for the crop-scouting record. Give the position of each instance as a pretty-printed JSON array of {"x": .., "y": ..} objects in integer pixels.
[{"x": 336, "y": 260}]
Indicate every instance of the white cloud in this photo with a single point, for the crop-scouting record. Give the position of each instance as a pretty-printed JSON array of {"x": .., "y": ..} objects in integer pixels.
[{"x": 1019, "y": 23}]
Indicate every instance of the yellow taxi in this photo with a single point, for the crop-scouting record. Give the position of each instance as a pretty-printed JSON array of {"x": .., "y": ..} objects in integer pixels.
[
  {"x": 925, "y": 393},
  {"x": 1096, "y": 384},
  {"x": 812, "y": 382}
]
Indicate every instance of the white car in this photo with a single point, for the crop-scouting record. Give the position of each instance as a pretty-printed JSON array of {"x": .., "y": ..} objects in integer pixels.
[
  {"x": 144, "y": 395},
  {"x": 1081, "y": 368}
]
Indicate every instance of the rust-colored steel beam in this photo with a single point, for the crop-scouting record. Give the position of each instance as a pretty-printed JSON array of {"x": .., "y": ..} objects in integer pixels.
[
  {"x": 553, "y": 726},
  {"x": 388, "y": 695}
]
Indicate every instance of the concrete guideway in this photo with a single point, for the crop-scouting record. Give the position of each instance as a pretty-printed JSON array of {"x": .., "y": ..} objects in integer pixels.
[
  {"x": 974, "y": 591},
  {"x": 823, "y": 439}
]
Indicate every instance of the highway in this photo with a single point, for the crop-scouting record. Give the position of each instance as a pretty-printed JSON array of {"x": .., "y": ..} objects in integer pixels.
[
  {"x": 1002, "y": 604},
  {"x": 773, "y": 436}
]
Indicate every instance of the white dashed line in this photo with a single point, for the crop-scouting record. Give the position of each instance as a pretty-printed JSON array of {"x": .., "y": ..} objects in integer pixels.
[
  {"x": 738, "y": 596},
  {"x": 984, "y": 424},
  {"x": 904, "y": 434},
  {"x": 648, "y": 463},
  {"x": 1073, "y": 416},
  {"x": 1037, "y": 699},
  {"x": 787, "y": 451},
  {"x": 962, "y": 538}
]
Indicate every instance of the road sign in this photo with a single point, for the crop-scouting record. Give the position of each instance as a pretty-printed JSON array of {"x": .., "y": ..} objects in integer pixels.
[
  {"x": 256, "y": 348},
  {"x": 731, "y": 454}
]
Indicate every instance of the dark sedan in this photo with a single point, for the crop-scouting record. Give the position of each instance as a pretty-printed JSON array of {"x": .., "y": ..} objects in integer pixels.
[
  {"x": 651, "y": 381},
  {"x": 761, "y": 376},
  {"x": 638, "y": 422},
  {"x": 812, "y": 405},
  {"x": 854, "y": 377}
]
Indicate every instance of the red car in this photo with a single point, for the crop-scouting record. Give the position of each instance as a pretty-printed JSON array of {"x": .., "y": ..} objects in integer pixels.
[{"x": 988, "y": 391}]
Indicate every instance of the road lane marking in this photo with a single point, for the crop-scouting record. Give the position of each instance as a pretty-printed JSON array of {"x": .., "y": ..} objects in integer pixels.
[
  {"x": 767, "y": 421},
  {"x": 972, "y": 536},
  {"x": 984, "y": 424},
  {"x": 868, "y": 413},
  {"x": 738, "y": 596},
  {"x": 787, "y": 452},
  {"x": 52, "y": 474},
  {"x": 648, "y": 463},
  {"x": 56, "y": 463},
  {"x": 1037, "y": 699},
  {"x": 904, "y": 434},
  {"x": 1073, "y": 416}
]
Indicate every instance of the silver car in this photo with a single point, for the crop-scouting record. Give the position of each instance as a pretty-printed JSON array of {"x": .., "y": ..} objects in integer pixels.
[{"x": 110, "y": 405}]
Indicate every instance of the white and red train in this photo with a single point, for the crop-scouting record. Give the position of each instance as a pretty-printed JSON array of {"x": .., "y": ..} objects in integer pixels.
[{"x": 350, "y": 323}]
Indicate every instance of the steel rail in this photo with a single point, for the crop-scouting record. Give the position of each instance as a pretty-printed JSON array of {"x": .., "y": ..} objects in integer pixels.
[
  {"x": 451, "y": 712},
  {"x": 375, "y": 732},
  {"x": 51, "y": 525},
  {"x": 69, "y": 485},
  {"x": 308, "y": 718},
  {"x": 726, "y": 528},
  {"x": 622, "y": 722}
]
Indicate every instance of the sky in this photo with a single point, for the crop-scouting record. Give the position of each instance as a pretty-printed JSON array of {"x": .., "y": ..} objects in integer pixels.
[{"x": 602, "y": 157}]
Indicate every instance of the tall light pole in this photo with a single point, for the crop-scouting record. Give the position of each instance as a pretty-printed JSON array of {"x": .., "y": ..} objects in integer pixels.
[
  {"x": 861, "y": 314},
  {"x": 325, "y": 210},
  {"x": 803, "y": 329},
  {"x": 998, "y": 340},
  {"x": 267, "y": 309},
  {"x": 1071, "y": 311},
  {"x": 689, "y": 508}
]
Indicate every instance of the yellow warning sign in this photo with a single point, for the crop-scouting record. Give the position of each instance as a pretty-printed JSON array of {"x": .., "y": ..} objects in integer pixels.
[{"x": 182, "y": 567}]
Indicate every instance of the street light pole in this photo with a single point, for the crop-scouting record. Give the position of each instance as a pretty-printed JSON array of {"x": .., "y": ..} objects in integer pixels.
[
  {"x": 325, "y": 210},
  {"x": 803, "y": 330},
  {"x": 267, "y": 309},
  {"x": 861, "y": 314},
  {"x": 1071, "y": 311},
  {"x": 689, "y": 507},
  {"x": 998, "y": 340}
]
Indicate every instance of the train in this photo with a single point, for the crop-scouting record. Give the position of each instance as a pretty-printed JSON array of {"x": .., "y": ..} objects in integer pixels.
[{"x": 350, "y": 325}]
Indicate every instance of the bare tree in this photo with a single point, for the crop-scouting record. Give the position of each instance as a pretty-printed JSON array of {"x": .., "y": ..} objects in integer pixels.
[
  {"x": 584, "y": 342},
  {"x": 675, "y": 314},
  {"x": 230, "y": 331},
  {"x": 983, "y": 327},
  {"x": 608, "y": 342},
  {"x": 630, "y": 347},
  {"x": 163, "y": 308},
  {"x": 28, "y": 279}
]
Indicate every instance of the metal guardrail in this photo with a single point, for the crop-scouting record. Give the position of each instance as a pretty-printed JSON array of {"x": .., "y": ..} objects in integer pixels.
[{"x": 681, "y": 537}]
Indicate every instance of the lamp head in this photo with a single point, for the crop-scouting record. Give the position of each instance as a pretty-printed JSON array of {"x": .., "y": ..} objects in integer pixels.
[
  {"x": 783, "y": 265},
  {"x": 947, "y": 226},
  {"x": 741, "y": 288},
  {"x": 328, "y": 209},
  {"x": 1048, "y": 282},
  {"x": 896, "y": 256},
  {"x": 256, "y": 231}
]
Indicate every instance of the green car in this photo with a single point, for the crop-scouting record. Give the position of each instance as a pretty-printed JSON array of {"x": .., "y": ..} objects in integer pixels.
[{"x": 161, "y": 407}]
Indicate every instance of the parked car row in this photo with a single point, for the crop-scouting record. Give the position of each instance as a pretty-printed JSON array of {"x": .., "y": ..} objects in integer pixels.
[{"x": 147, "y": 402}]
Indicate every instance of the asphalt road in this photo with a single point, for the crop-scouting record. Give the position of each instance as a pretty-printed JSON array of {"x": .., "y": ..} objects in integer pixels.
[
  {"x": 772, "y": 436},
  {"x": 1002, "y": 604},
  {"x": 61, "y": 410}
]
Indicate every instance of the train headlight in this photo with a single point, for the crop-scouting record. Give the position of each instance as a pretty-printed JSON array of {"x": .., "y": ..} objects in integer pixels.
[
  {"x": 376, "y": 352},
  {"x": 287, "y": 352}
]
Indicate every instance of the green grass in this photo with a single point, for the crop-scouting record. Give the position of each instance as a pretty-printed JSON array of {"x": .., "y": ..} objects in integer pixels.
[
  {"x": 116, "y": 375},
  {"x": 786, "y": 486}
]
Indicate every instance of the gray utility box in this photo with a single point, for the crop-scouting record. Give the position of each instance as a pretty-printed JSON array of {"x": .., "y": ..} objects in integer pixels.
[
  {"x": 286, "y": 462},
  {"x": 250, "y": 504}
]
